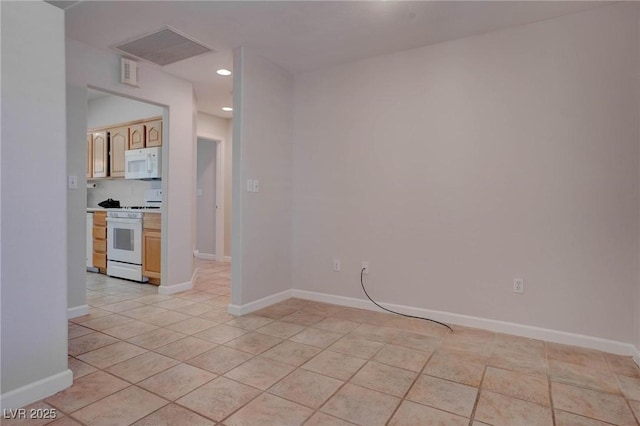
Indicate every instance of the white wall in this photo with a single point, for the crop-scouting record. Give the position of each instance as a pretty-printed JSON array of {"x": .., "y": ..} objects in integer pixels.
[
  {"x": 455, "y": 168},
  {"x": 262, "y": 149},
  {"x": 76, "y": 200},
  {"x": 221, "y": 128},
  {"x": 637, "y": 305},
  {"x": 33, "y": 177},
  {"x": 109, "y": 110},
  {"x": 90, "y": 67},
  {"x": 206, "y": 197}
]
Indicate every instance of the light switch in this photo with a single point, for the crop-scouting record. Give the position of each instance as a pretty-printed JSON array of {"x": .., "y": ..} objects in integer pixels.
[
  {"x": 72, "y": 182},
  {"x": 249, "y": 185},
  {"x": 199, "y": 192},
  {"x": 256, "y": 185}
]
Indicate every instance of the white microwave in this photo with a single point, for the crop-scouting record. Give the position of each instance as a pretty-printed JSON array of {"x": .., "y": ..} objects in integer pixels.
[{"x": 145, "y": 163}]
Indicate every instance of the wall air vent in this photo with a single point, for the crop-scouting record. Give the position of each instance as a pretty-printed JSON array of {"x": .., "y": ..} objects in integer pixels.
[
  {"x": 129, "y": 72},
  {"x": 163, "y": 47}
]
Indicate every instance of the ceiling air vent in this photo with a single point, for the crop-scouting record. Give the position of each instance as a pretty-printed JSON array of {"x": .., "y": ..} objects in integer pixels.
[{"x": 163, "y": 47}]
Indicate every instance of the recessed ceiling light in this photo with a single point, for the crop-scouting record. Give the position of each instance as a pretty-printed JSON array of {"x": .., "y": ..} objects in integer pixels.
[
  {"x": 228, "y": 109},
  {"x": 223, "y": 71}
]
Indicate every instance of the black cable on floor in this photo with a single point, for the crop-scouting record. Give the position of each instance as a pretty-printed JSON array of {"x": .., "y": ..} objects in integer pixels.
[{"x": 394, "y": 312}]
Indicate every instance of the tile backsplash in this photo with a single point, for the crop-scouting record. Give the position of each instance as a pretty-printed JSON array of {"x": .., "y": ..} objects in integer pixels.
[{"x": 129, "y": 192}]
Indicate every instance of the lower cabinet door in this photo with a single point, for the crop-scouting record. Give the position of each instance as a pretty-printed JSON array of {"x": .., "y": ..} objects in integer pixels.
[
  {"x": 151, "y": 244},
  {"x": 100, "y": 260}
]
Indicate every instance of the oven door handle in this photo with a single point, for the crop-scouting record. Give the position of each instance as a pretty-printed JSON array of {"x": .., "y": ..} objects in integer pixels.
[{"x": 123, "y": 220}]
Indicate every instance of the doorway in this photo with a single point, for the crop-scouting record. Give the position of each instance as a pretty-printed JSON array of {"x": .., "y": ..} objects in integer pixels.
[
  {"x": 103, "y": 112},
  {"x": 208, "y": 193}
]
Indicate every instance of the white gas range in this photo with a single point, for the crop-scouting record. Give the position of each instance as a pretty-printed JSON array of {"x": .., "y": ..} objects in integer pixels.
[{"x": 124, "y": 238}]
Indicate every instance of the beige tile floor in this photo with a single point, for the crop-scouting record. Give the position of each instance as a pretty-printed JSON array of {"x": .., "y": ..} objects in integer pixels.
[{"x": 146, "y": 359}]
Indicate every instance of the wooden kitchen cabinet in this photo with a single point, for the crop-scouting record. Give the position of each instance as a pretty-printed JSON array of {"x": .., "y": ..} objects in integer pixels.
[
  {"x": 100, "y": 241},
  {"x": 137, "y": 136},
  {"x": 100, "y": 157},
  {"x": 106, "y": 146},
  {"x": 153, "y": 133},
  {"x": 151, "y": 247},
  {"x": 118, "y": 144}
]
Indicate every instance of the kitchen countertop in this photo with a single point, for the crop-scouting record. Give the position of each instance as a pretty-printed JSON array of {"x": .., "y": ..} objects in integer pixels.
[{"x": 100, "y": 209}]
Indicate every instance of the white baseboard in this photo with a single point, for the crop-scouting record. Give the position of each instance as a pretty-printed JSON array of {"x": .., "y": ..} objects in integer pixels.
[
  {"x": 36, "y": 391},
  {"x": 77, "y": 311},
  {"x": 208, "y": 256},
  {"x": 239, "y": 310},
  {"x": 549, "y": 335},
  {"x": 177, "y": 288},
  {"x": 204, "y": 256},
  {"x": 636, "y": 356}
]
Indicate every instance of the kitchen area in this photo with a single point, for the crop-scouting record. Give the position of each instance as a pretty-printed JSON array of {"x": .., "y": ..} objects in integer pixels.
[{"x": 124, "y": 188}]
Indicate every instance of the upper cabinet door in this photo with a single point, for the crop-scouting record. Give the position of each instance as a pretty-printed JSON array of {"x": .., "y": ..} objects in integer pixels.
[
  {"x": 119, "y": 141},
  {"x": 89, "y": 155},
  {"x": 154, "y": 133},
  {"x": 137, "y": 136},
  {"x": 100, "y": 154}
]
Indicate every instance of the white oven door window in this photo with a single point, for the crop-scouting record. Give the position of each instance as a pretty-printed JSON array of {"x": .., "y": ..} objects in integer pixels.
[{"x": 125, "y": 241}]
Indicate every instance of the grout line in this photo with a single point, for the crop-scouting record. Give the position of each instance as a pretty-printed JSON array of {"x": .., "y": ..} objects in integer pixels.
[
  {"x": 633, "y": 413},
  {"x": 484, "y": 372},
  {"x": 420, "y": 373},
  {"x": 347, "y": 380},
  {"x": 548, "y": 377},
  {"x": 477, "y": 401}
]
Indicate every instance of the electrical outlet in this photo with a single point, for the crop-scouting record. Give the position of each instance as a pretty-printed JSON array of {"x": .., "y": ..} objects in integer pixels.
[
  {"x": 365, "y": 266},
  {"x": 336, "y": 265},
  {"x": 256, "y": 185},
  {"x": 518, "y": 285}
]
